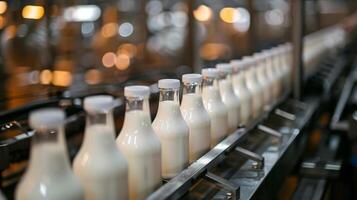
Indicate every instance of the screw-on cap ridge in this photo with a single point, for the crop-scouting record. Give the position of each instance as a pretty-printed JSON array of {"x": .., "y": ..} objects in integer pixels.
[
  {"x": 137, "y": 91},
  {"x": 192, "y": 78},
  {"x": 210, "y": 72},
  {"x": 225, "y": 67},
  {"x": 98, "y": 103},
  {"x": 46, "y": 118},
  {"x": 169, "y": 83}
]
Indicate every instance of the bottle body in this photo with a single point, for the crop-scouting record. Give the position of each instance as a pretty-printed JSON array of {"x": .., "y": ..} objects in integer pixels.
[
  {"x": 231, "y": 102},
  {"x": 199, "y": 124},
  {"x": 245, "y": 97},
  {"x": 255, "y": 90},
  {"x": 142, "y": 149},
  {"x": 264, "y": 83},
  {"x": 218, "y": 113},
  {"x": 173, "y": 132},
  {"x": 99, "y": 165},
  {"x": 49, "y": 176}
]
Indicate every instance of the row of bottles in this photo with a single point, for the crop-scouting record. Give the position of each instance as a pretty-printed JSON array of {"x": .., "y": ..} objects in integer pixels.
[{"x": 214, "y": 103}]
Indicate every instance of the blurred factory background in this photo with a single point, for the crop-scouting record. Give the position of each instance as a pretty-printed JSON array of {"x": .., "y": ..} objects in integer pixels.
[{"x": 79, "y": 46}]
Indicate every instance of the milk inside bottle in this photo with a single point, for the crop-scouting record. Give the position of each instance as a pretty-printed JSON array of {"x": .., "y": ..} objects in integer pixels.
[
  {"x": 196, "y": 116},
  {"x": 48, "y": 175},
  {"x": 276, "y": 70},
  {"x": 214, "y": 105},
  {"x": 100, "y": 166},
  {"x": 271, "y": 75},
  {"x": 241, "y": 90},
  {"x": 253, "y": 86},
  {"x": 140, "y": 145},
  {"x": 262, "y": 78},
  {"x": 172, "y": 129},
  {"x": 228, "y": 96}
]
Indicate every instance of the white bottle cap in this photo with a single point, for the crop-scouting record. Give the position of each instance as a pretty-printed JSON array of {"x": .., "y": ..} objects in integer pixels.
[
  {"x": 210, "y": 72},
  {"x": 169, "y": 83},
  {"x": 137, "y": 91},
  {"x": 248, "y": 61},
  {"x": 98, "y": 103},
  {"x": 192, "y": 78},
  {"x": 224, "y": 67},
  {"x": 236, "y": 65},
  {"x": 46, "y": 118}
]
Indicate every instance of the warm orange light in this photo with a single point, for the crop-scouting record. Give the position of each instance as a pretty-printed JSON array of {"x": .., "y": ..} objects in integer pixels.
[
  {"x": 46, "y": 77},
  {"x": 33, "y": 12},
  {"x": 128, "y": 49},
  {"x": 62, "y": 78},
  {"x": 202, "y": 13},
  {"x": 123, "y": 61},
  {"x": 93, "y": 76},
  {"x": 3, "y": 7},
  {"x": 109, "y": 30},
  {"x": 109, "y": 59},
  {"x": 228, "y": 15},
  {"x": 213, "y": 51},
  {"x": 2, "y": 22}
]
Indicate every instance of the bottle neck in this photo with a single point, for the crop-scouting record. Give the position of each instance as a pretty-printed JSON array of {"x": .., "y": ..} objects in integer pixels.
[
  {"x": 101, "y": 119},
  {"x": 138, "y": 104},
  {"x": 191, "y": 88},
  {"x": 45, "y": 135},
  {"x": 169, "y": 94},
  {"x": 210, "y": 82}
]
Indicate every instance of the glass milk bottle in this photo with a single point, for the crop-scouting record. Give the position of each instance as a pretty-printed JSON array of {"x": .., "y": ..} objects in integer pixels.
[
  {"x": 253, "y": 86},
  {"x": 48, "y": 175},
  {"x": 228, "y": 97},
  {"x": 196, "y": 116},
  {"x": 262, "y": 77},
  {"x": 241, "y": 90},
  {"x": 140, "y": 145},
  {"x": 214, "y": 105},
  {"x": 172, "y": 129},
  {"x": 100, "y": 166}
]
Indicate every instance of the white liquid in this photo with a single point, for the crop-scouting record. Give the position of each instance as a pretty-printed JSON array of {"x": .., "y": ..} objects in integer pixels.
[
  {"x": 141, "y": 148},
  {"x": 255, "y": 90},
  {"x": 232, "y": 103},
  {"x": 274, "y": 81},
  {"x": 101, "y": 168},
  {"x": 173, "y": 132},
  {"x": 218, "y": 113},
  {"x": 49, "y": 175},
  {"x": 245, "y": 97},
  {"x": 199, "y": 124},
  {"x": 264, "y": 83}
]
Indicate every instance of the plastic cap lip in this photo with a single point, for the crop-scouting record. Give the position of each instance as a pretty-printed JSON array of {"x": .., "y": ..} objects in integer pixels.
[
  {"x": 98, "y": 103},
  {"x": 225, "y": 67},
  {"x": 192, "y": 78},
  {"x": 46, "y": 118},
  {"x": 169, "y": 83},
  {"x": 210, "y": 72},
  {"x": 137, "y": 91}
]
